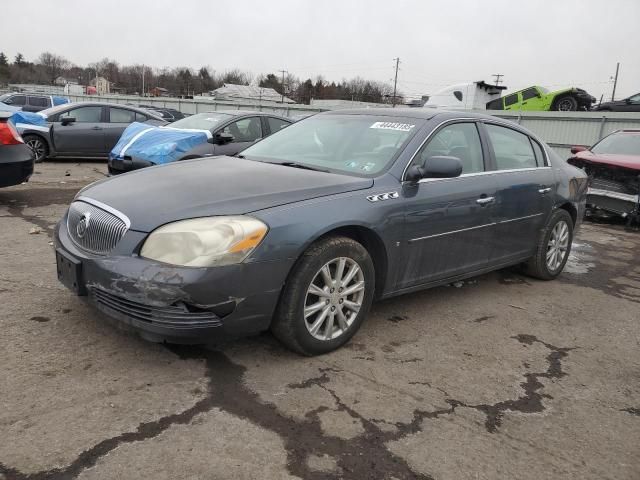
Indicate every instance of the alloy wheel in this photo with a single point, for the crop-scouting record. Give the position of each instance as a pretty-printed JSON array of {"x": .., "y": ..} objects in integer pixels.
[
  {"x": 557, "y": 246},
  {"x": 37, "y": 147},
  {"x": 334, "y": 298},
  {"x": 565, "y": 105}
]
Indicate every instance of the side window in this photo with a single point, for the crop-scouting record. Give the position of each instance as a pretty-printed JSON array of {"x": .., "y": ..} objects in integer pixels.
[
  {"x": 513, "y": 149},
  {"x": 18, "y": 100},
  {"x": 539, "y": 154},
  {"x": 457, "y": 140},
  {"x": 495, "y": 104},
  {"x": 510, "y": 99},
  {"x": 84, "y": 114},
  {"x": 245, "y": 130},
  {"x": 38, "y": 101},
  {"x": 529, "y": 93},
  {"x": 635, "y": 99},
  {"x": 120, "y": 115},
  {"x": 275, "y": 124},
  {"x": 141, "y": 118}
]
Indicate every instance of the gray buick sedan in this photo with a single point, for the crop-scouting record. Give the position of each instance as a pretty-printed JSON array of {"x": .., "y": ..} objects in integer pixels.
[{"x": 306, "y": 228}]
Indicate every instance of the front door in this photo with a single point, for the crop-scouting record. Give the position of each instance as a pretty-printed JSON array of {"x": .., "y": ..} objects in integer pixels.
[
  {"x": 245, "y": 132},
  {"x": 526, "y": 186},
  {"x": 84, "y": 136},
  {"x": 449, "y": 222}
]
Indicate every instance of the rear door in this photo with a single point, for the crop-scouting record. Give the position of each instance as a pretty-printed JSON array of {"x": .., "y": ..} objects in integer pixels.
[
  {"x": 526, "y": 186},
  {"x": 118, "y": 120},
  {"x": 85, "y": 136},
  {"x": 245, "y": 132},
  {"x": 449, "y": 222}
]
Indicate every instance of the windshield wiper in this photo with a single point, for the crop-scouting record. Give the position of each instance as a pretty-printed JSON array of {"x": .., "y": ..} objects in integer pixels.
[{"x": 302, "y": 166}]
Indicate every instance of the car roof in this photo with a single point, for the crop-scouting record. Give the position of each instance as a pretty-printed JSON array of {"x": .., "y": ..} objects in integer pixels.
[
  {"x": 421, "y": 113},
  {"x": 103, "y": 104}
]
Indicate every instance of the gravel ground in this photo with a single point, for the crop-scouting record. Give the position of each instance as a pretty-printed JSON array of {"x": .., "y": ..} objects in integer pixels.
[{"x": 499, "y": 377}]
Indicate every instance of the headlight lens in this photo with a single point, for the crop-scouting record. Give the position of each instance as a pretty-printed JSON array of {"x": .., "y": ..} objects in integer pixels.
[{"x": 205, "y": 242}]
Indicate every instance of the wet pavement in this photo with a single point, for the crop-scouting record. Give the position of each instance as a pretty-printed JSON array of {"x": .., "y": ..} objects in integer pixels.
[{"x": 498, "y": 377}]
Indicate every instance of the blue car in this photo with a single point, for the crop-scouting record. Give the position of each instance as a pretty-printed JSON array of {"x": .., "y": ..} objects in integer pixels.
[{"x": 303, "y": 230}]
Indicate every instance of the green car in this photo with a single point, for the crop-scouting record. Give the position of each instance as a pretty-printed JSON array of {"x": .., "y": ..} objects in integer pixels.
[{"x": 539, "y": 98}]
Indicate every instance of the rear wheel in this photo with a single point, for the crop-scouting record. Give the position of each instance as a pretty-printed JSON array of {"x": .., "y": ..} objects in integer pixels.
[
  {"x": 326, "y": 298},
  {"x": 554, "y": 247},
  {"x": 38, "y": 146},
  {"x": 566, "y": 104}
]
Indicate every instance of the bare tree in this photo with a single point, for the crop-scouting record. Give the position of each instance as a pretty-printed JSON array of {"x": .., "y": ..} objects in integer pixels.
[{"x": 53, "y": 65}]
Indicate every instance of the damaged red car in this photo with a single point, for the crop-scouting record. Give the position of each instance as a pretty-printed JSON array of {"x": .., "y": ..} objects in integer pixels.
[{"x": 613, "y": 166}]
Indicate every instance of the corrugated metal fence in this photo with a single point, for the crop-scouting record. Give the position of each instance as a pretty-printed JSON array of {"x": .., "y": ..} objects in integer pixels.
[{"x": 200, "y": 106}]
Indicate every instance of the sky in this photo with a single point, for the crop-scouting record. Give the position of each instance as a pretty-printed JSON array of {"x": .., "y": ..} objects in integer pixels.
[{"x": 553, "y": 43}]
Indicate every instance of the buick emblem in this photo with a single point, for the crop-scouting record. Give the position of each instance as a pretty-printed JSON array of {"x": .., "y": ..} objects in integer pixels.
[{"x": 83, "y": 225}]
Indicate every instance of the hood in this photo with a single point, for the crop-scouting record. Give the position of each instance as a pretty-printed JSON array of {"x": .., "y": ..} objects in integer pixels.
[
  {"x": 631, "y": 162},
  {"x": 157, "y": 145},
  {"x": 153, "y": 196}
]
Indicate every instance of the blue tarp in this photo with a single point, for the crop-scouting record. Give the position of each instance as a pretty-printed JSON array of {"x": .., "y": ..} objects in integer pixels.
[
  {"x": 29, "y": 121},
  {"x": 59, "y": 100},
  {"x": 157, "y": 145}
]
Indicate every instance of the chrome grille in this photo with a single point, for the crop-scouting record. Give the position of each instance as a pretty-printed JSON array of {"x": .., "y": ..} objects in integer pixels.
[{"x": 95, "y": 229}]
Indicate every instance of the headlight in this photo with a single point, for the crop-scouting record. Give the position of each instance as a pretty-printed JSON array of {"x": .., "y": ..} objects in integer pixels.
[{"x": 205, "y": 242}]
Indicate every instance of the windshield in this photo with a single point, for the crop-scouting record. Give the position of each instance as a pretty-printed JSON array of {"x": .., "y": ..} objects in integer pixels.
[
  {"x": 57, "y": 109},
  {"x": 4, "y": 97},
  {"x": 202, "y": 121},
  {"x": 543, "y": 90},
  {"x": 619, "y": 144},
  {"x": 360, "y": 145}
]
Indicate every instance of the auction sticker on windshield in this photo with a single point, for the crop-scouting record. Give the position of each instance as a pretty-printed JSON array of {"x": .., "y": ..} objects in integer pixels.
[{"x": 403, "y": 127}]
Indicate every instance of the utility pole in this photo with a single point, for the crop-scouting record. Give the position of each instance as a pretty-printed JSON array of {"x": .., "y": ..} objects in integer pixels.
[
  {"x": 143, "y": 81},
  {"x": 283, "y": 72},
  {"x": 615, "y": 81},
  {"x": 498, "y": 76},
  {"x": 395, "y": 83}
]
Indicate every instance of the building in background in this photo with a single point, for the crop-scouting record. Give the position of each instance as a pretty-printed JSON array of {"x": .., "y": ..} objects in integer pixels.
[
  {"x": 103, "y": 86},
  {"x": 336, "y": 104},
  {"x": 248, "y": 93}
]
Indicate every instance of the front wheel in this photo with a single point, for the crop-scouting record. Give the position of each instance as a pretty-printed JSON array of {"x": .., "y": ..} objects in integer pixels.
[
  {"x": 567, "y": 104},
  {"x": 38, "y": 146},
  {"x": 326, "y": 297},
  {"x": 553, "y": 248}
]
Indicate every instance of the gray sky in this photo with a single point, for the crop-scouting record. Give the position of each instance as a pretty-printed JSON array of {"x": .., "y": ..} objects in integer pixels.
[{"x": 554, "y": 43}]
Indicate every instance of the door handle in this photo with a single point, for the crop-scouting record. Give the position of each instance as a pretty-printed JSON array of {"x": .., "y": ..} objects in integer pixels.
[
  {"x": 485, "y": 200},
  {"x": 544, "y": 190},
  {"x": 96, "y": 128}
]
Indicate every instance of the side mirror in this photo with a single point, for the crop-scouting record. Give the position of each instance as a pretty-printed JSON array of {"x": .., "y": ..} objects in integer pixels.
[
  {"x": 67, "y": 120},
  {"x": 436, "y": 167},
  {"x": 578, "y": 148},
  {"x": 627, "y": 101},
  {"x": 221, "y": 138}
]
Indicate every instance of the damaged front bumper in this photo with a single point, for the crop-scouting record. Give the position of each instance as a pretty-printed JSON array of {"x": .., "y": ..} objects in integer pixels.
[
  {"x": 169, "y": 303},
  {"x": 623, "y": 204}
]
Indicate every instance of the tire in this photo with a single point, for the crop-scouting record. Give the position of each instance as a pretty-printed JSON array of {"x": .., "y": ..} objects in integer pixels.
[
  {"x": 336, "y": 320},
  {"x": 566, "y": 104},
  {"x": 38, "y": 146},
  {"x": 538, "y": 266}
]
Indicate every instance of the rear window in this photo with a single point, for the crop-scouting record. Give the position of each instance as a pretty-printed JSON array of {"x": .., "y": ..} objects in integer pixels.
[
  {"x": 38, "y": 101},
  {"x": 619, "y": 144},
  {"x": 202, "y": 121}
]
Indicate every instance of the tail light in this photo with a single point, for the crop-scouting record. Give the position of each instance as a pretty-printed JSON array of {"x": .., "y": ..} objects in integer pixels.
[{"x": 9, "y": 135}]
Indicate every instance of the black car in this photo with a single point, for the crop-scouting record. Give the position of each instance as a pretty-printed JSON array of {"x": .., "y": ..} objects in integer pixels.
[
  {"x": 629, "y": 104},
  {"x": 168, "y": 114},
  {"x": 309, "y": 226},
  {"x": 222, "y": 132},
  {"x": 84, "y": 129},
  {"x": 16, "y": 159}
]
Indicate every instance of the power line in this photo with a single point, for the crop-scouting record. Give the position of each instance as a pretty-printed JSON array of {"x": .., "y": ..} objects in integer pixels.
[{"x": 497, "y": 77}]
